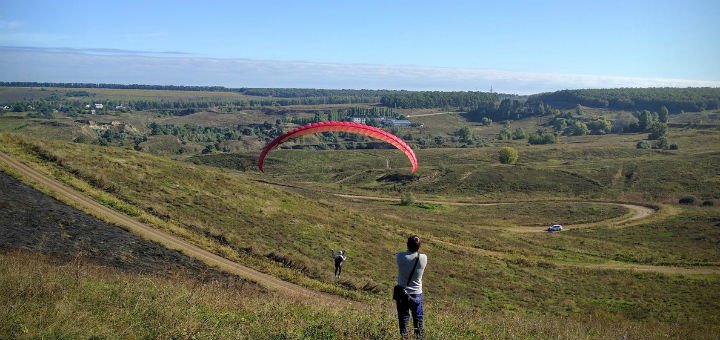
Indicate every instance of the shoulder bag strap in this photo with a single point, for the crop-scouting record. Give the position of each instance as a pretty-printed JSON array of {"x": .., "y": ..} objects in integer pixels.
[{"x": 412, "y": 272}]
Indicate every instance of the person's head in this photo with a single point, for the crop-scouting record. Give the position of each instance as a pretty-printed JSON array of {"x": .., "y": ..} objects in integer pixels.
[
  {"x": 342, "y": 252},
  {"x": 413, "y": 243}
]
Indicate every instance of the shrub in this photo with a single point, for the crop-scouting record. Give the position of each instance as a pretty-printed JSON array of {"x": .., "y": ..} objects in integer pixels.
[
  {"x": 708, "y": 203},
  {"x": 407, "y": 198},
  {"x": 689, "y": 199},
  {"x": 673, "y": 146},
  {"x": 643, "y": 144},
  {"x": 657, "y": 130},
  {"x": 504, "y": 134},
  {"x": 661, "y": 143},
  {"x": 519, "y": 133},
  {"x": 541, "y": 137},
  {"x": 443, "y": 167},
  {"x": 508, "y": 155}
]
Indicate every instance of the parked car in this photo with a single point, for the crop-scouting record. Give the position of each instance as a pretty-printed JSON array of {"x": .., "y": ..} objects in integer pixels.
[{"x": 555, "y": 227}]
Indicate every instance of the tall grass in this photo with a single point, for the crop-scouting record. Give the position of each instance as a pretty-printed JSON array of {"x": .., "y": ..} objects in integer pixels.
[
  {"x": 79, "y": 300},
  {"x": 289, "y": 233}
]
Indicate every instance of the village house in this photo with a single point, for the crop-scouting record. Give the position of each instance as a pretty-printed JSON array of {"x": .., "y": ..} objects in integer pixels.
[
  {"x": 359, "y": 120},
  {"x": 403, "y": 123}
]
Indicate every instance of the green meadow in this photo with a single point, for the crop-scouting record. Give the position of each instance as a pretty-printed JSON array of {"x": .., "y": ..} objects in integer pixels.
[{"x": 492, "y": 273}]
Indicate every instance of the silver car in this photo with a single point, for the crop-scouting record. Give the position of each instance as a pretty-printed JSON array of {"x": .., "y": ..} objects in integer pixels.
[{"x": 555, "y": 227}]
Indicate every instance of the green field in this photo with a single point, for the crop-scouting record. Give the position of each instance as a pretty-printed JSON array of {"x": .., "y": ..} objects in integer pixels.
[{"x": 492, "y": 272}]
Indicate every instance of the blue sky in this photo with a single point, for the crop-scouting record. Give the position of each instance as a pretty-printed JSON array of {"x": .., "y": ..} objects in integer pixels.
[{"x": 514, "y": 46}]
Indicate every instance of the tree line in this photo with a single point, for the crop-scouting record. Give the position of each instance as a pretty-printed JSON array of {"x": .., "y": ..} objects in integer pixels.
[
  {"x": 284, "y": 96},
  {"x": 635, "y": 99},
  {"x": 437, "y": 99},
  {"x": 113, "y": 86}
]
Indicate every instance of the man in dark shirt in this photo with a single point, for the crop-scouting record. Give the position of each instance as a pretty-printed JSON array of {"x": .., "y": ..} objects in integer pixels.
[{"x": 339, "y": 258}]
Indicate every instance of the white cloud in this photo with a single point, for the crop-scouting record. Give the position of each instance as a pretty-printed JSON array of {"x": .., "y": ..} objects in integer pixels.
[{"x": 122, "y": 66}]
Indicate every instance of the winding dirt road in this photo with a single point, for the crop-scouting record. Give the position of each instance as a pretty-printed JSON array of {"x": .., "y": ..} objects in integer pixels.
[
  {"x": 79, "y": 200},
  {"x": 637, "y": 212}
]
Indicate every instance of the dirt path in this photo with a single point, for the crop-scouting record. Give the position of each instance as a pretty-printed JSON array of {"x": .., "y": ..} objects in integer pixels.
[
  {"x": 637, "y": 212},
  {"x": 77, "y": 199}
]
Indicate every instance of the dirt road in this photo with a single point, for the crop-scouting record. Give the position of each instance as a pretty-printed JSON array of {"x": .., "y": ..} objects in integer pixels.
[
  {"x": 637, "y": 212},
  {"x": 77, "y": 199}
]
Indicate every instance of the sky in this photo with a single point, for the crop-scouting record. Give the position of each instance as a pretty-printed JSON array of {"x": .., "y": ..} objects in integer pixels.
[{"x": 511, "y": 46}]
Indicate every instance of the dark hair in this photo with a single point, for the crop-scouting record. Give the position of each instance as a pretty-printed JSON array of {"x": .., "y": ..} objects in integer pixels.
[{"x": 413, "y": 243}]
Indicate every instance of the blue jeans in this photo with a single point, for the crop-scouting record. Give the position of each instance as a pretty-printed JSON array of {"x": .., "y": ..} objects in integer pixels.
[{"x": 404, "y": 310}]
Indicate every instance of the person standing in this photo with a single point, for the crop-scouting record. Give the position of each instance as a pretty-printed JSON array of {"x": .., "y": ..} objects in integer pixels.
[
  {"x": 411, "y": 266},
  {"x": 339, "y": 258}
]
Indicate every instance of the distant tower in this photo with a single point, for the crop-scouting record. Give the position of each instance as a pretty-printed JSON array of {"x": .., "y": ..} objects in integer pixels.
[{"x": 491, "y": 90}]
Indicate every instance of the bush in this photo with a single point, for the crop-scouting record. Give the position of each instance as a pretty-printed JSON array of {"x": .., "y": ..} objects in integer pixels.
[
  {"x": 662, "y": 143},
  {"x": 708, "y": 203},
  {"x": 504, "y": 135},
  {"x": 643, "y": 144},
  {"x": 407, "y": 198},
  {"x": 542, "y": 138},
  {"x": 689, "y": 199},
  {"x": 508, "y": 155},
  {"x": 657, "y": 131},
  {"x": 519, "y": 133},
  {"x": 673, "y": 146}
]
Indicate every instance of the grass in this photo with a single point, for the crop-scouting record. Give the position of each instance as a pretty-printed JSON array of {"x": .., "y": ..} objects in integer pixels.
[
  {"x": 44, "y": 298},
  {"x": 483, "y": 281},
  {"x": 10, "y": 123},
  {"x": 505, "y": 215},
  {"x": 289, "y": 232},
  {"x": 102, "y": 186},
  {"x": 596, "y": 167},
  {"x": 688, "y": 239}
]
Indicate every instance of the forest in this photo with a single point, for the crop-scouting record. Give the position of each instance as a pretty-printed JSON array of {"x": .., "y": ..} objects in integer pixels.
[{"x": 635, "y": 99}]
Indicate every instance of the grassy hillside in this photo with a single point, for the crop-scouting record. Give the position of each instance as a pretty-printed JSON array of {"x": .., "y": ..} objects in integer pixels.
[
  {"x": 488, "y": 276},
  {"x": 598, "y": 167},
  {"x": 476, "y": 268},
  {"x": 80, "y": 300}
]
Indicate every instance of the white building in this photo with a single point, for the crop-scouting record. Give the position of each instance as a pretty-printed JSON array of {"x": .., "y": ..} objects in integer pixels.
[{"x": 361, "y": 120}]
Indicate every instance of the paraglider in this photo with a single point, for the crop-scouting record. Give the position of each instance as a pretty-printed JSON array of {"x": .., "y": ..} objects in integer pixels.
[{"x": 343, "y": 127}]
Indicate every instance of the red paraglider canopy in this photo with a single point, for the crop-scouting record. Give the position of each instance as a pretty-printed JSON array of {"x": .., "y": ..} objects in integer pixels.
[{"x": 345, "y": 127}]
